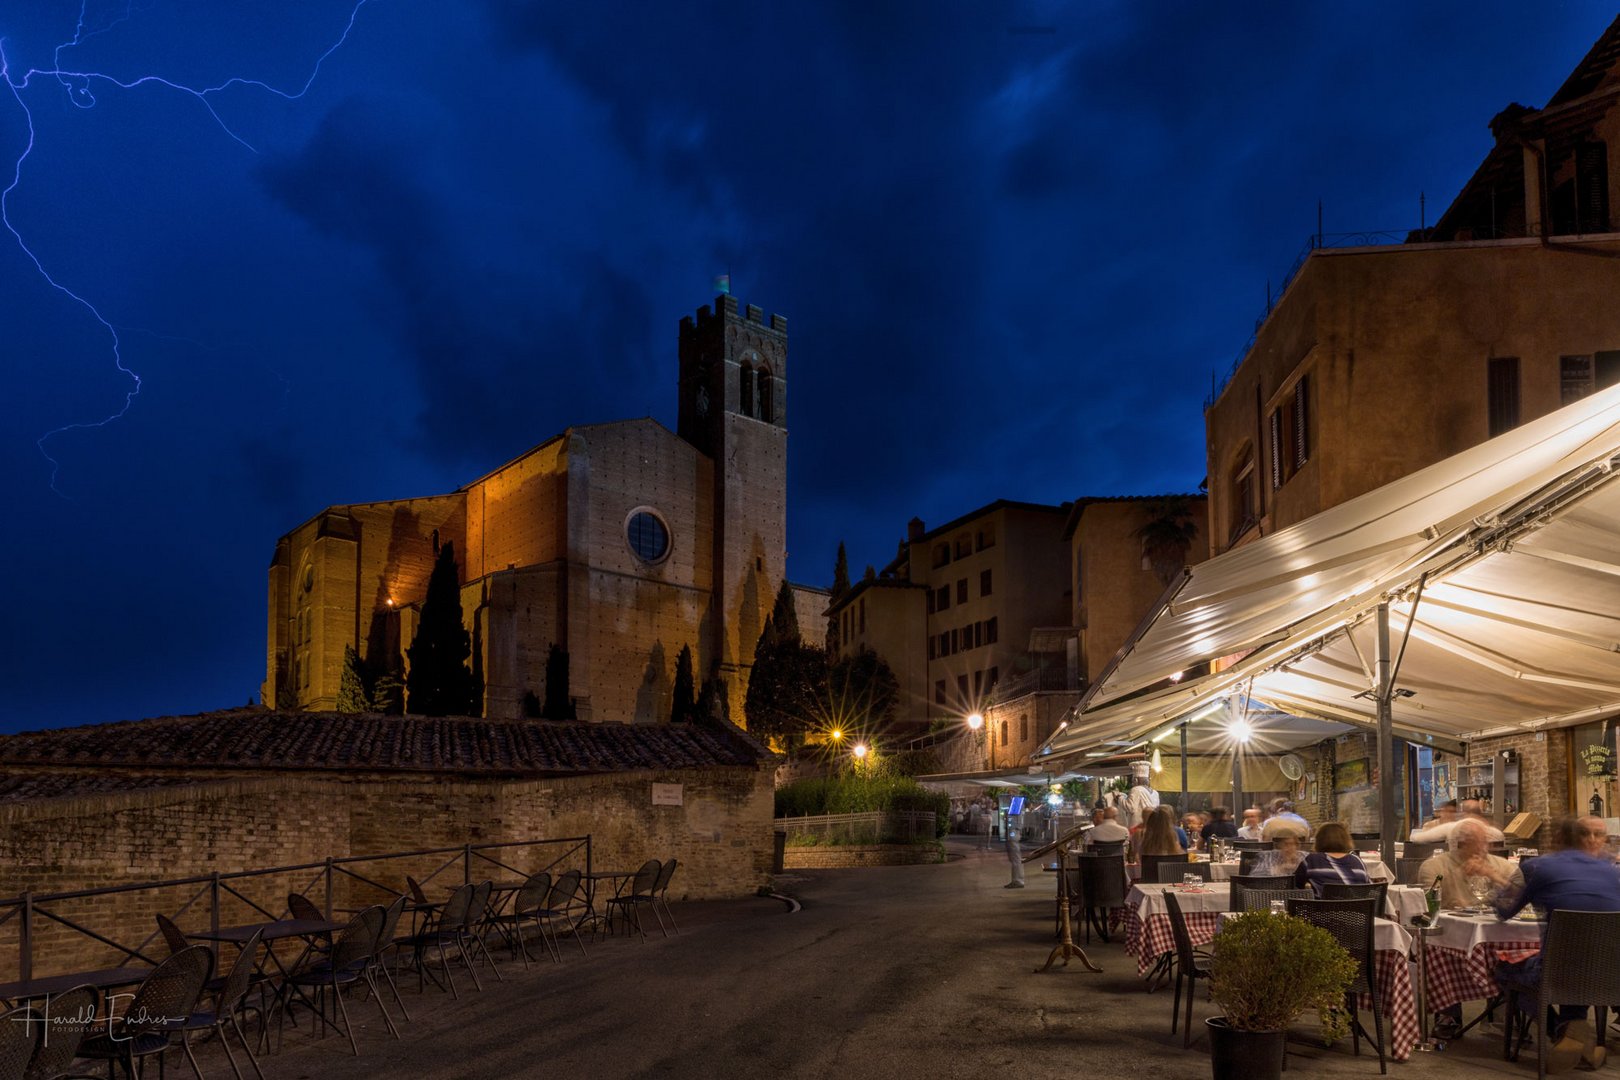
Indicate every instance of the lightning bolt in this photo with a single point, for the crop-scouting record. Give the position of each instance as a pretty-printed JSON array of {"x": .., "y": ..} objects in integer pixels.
[{"x": 77, "y": 85}]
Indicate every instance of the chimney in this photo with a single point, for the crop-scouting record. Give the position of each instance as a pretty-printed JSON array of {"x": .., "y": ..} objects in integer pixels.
[{"x": 914, "y": 530}]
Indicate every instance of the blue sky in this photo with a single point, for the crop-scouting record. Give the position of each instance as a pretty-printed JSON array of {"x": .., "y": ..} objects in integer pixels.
[{"x": 1013, "y": 241}]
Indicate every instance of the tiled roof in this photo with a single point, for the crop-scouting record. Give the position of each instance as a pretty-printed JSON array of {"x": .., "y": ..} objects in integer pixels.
[
  {"x": 32, "y": 786},
  {"x": 256, "y": 739}
]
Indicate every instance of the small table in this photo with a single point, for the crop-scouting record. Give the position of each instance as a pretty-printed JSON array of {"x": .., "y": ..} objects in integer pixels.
[
  {"x": 278, "y": 930},
  {"x": 592, "y": 916},
  {"x": 49, "y": 986}
]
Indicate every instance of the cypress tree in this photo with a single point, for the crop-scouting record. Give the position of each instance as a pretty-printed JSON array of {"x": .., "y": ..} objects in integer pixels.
[
  {"x": 685, "y": 704},
  {"x": 840, "y": 586},
  {"x": 352, "y": 696},
  {"x": 439, "y": 682},
  {"x": 785, "y": 615}
]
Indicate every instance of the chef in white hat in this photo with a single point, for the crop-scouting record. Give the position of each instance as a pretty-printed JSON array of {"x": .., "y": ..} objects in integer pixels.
[{"x": 1141, "y": 800}]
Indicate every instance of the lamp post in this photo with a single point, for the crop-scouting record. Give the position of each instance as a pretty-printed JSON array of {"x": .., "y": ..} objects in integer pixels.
[{"x": 975, "y": 722}]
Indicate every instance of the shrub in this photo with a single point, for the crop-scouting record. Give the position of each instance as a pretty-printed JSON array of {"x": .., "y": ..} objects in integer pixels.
[
  {"x": 1269, "y": 969},
  {"x": 856, "y": 794}
]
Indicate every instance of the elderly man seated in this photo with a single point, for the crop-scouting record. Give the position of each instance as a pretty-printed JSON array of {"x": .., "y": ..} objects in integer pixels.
[
  {"x": 1578, "y": 876},
  {"x": 1465, "y": 858},
  {"x": 1286, "y": 835},
  {"x": 1250, "y": 829},
  {"x": 1107, "y": 830}
]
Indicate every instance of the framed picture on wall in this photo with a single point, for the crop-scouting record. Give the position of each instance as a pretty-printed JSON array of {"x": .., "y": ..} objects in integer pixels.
[
  {"x": 1351, "y": 774},
  {"x": 1310, "y": 792}
]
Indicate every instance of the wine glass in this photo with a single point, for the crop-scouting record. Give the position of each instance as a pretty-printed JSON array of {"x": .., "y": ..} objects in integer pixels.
[{"x": 1480, "y": 887}]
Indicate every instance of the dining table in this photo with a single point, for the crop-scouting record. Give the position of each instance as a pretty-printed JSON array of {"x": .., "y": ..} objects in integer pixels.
[
  {"x": 45, "y": 987},
  {"x": 1464, "y": 948}
]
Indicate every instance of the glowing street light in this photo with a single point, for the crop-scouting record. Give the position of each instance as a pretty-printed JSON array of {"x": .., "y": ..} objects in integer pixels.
[
  {"x": 836, "y": 734},
  {"x": 975, "y": 721},
  {"x": 859, "y": 750}
]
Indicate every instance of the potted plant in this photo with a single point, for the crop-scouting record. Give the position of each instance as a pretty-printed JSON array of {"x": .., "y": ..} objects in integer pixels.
[{"x": 1267, "y": 970}]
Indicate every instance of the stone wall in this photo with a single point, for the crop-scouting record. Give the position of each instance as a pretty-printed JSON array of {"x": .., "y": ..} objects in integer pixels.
[
  {"x": 720, "y": 833},
  {"x": 1543, "y": 773}
]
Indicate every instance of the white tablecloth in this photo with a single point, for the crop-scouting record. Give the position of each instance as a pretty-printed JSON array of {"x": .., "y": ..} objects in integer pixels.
[
  {"x": 1387, "y": 934},
  {"x": 1223, "y": 871},
  {"x": 1148, "y": 900},
  {"x": 1405, "y": 901},
  {"x": 1465, "y": 932}
]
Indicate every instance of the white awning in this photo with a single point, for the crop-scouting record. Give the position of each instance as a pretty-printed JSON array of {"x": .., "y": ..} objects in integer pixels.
[{"x": 1515, "y": 546}]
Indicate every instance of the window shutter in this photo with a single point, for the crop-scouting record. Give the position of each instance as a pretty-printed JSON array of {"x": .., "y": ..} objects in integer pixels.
[
  {"x": 1276, "y": 448},
  {"x": 1302, "y": 427}
]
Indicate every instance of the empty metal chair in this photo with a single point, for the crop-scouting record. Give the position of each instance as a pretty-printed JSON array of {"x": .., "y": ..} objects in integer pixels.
[
  {"x": 1351, "y": 924},
  {"x": 1191, "y": 965},
  {"x": 172, "y": 990},
  {"x": 1151, "y": 864},
  {"x": 1339, "y": 890},
  {"x": 661, "y": 893},
  {"x": 73, "y": 1017},
  {"x": 526, "y": 907},
  {"x": 388, "y": 949},
  {"x": 479, "y": 912},
  {"x": 444, "y": 932},
  {"x": 1102, "y": 881},
  {"x": 630, "y": 903},
  {"x": 20, "y": 1032},
  {"x": 1241, "y": 884},
  {"x": 348, "y": 963},
  {"x": 1262, "y": 899},
  {"x": 301, "y": 907},
  {"x": 564, "y": 905},
  {"x": 229, "y": 1003}
]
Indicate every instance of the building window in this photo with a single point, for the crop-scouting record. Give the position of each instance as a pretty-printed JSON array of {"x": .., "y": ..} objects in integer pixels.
[
  {"x": 956, "y": 640},
  {"x": 1582, "y": 375},
  {"x": 978, "y": 634},
  {"x": 1502, "y": 394},
  {"x": 863, "y": 615},
  {"x": 984, "y": 583},
  {"x": 1004, "y": 733},
  {"x": 745, "y": 390},
  {"x": 939, "y": 692},
  {"x": 647, "y": 534},
  {"x": 1023, "y": 727},
  {"x": 961, "y": 687},
  {"x": 990, "y": 631},
  {"x": 930, "y": 601},
  {"x": 995, "y": 677},
  {"x": 967, "y": 637},
  {"x": 986, "y": 537},
  {"x": 942, "y": 555},
  {"x": 978, "y": 683},
  {"x": 964, "y": 546},
  {"x": 767, "y": 398},
  {"x": 933, "y": 647},
  {"x": 942, "y": 598},
  {"x": 1290, "y": 433},
  {"x": 1241, "y": 487},
  {"x": 961, "y": 591}
]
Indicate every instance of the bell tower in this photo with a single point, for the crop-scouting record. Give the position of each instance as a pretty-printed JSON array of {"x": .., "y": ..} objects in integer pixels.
[{"x": 733, "y": 408}]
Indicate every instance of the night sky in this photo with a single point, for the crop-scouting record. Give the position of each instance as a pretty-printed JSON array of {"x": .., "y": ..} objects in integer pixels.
[{"x": 1013, "y": 243}]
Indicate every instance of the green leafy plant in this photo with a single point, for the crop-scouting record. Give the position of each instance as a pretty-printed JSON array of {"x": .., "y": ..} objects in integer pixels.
[{"x": 1269, "y": 969}]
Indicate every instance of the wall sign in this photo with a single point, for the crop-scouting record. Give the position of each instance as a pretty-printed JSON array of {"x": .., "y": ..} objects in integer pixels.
[{"x": 666, "y": 795}]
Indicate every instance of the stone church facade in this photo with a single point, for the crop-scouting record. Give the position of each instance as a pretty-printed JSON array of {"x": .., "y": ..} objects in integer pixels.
[{"x": 620, "y": 542}]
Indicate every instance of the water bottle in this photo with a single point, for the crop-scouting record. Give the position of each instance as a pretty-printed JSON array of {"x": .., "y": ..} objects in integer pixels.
[{"x": 1279, "y": 907}]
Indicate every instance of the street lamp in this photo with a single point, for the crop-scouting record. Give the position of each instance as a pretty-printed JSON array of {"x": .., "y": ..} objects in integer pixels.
[
  {"x": 859, "y": 750},
  {"x": 975, "y": 722}
]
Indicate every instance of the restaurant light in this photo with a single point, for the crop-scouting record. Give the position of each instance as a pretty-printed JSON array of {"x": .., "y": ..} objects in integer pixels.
[
  {"x": 1240, "y": 730},
  {"x": 1208, "y": 710},
  {"x": 1158, "y": 763},
  {"x": 1054, "y": 799}
]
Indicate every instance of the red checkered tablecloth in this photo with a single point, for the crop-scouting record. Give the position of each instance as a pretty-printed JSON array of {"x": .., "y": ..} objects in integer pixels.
[
  {"x": 1147, "y": 942},
  {"x": 1454, "y": 976}
]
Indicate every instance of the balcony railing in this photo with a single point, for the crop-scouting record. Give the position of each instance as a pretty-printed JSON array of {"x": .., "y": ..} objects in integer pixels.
[{"x": 1274, "y": 297}]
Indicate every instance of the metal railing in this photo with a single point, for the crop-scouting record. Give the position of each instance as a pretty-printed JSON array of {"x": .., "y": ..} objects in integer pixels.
[
  {"x": 869, "y": 827},
  {"x": 1315, "y": 242},
  {"x": 220, "y": 891}
]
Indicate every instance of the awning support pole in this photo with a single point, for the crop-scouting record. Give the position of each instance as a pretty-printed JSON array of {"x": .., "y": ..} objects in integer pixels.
[
  {"x": 1382, "y": 694},
  {"x": 1184, "y": 769}
]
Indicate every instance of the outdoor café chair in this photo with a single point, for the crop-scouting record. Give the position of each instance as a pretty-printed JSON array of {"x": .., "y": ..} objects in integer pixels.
[
  {"x": 1105, "y": 847},
  {"x": 1580, "y": 965},
  {"x": 20, "y": 1031},
  {"x": 1414, "y": 850},
  {"x": 388, "y": 943},
  {"x": 478, "y": 915},
  {"x": 73, "y": 1016},
  {"x": 526, "y": 907},
  {"x": 1261, "y": 899},
  {"x": 172, "y": 989},
  {"x": 1239, "y": 884},
  {"x": 1406, "y": 871},
  {"x": 177, "y": 941},
  {"x": 1102, "y": 880},
  {"x": 1151, "y": 864},
  {"x": 347, "y": 964},
  {"x": 1351, "y": 924},
  {"x": 1343, "y": 890},
  {"x": 230, "y": 1002},
  {"x": 1191, "y": 965},
  {"x": 561, "y": 906},
  {"x": 629, "y": 904},
  {"x": 661, "y": 893},
  {"x": 301, "y": 907},
  {"x": 443, "y": 933},
  {"x": 1250, "y": 845},
  {"x": 1174, "y": 871},
  {"x": 1247, "y": 860}
]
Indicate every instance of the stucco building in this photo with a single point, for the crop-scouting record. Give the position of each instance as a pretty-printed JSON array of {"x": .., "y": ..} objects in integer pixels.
[
  {"x": 1378, "y": 360},
  {"x": 620, "y": 542}
]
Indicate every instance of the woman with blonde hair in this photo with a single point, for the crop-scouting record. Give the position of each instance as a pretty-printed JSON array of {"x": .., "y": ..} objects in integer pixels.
[{"x": 1159, "y": 834}]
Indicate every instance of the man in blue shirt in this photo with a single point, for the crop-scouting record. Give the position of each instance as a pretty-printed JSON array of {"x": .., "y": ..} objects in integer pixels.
[{"x": 1579, "y": 876}]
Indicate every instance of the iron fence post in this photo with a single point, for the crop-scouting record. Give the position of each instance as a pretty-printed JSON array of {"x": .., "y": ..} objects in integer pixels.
[
  {"x": 213, "y": 911},
  {"x": 466, "y": 864},
  {"x": 329, "y": 888},
  {"x": 25, "y": 939}
]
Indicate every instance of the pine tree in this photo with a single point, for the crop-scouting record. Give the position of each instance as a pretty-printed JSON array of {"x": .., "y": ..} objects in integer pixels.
[
  {"x": 559, "y": 704},
  {"x": 388, "y": 695},
  {"x": 685, "y": 704},
  {"x": 352, "y": 697},
  {"x": 439, "y": 682},
  {"x": 840, "y": 587}
]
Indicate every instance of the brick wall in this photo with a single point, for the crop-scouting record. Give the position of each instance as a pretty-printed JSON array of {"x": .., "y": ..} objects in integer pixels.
[
  {"x": 843, "y": 855},
  {"x": 721, "y": 833},
  {"x": 1543, "y": 773}
]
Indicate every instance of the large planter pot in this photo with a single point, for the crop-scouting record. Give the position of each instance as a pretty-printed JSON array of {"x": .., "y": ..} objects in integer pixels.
[{"x": 1245, "y": 1055}]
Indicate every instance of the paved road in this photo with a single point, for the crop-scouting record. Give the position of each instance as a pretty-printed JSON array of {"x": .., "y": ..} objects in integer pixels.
[{"x": 920, "y": 971}]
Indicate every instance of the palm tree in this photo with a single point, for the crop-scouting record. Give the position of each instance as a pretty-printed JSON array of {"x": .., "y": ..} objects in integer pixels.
[{"x": 1167, "y": 536}]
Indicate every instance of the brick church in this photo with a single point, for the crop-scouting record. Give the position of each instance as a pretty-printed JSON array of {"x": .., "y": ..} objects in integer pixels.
[{"x": 620, "y": 542}]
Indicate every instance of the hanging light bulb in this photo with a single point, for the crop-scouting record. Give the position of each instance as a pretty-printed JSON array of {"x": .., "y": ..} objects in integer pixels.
[{"x": 1158, "y": 762}]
